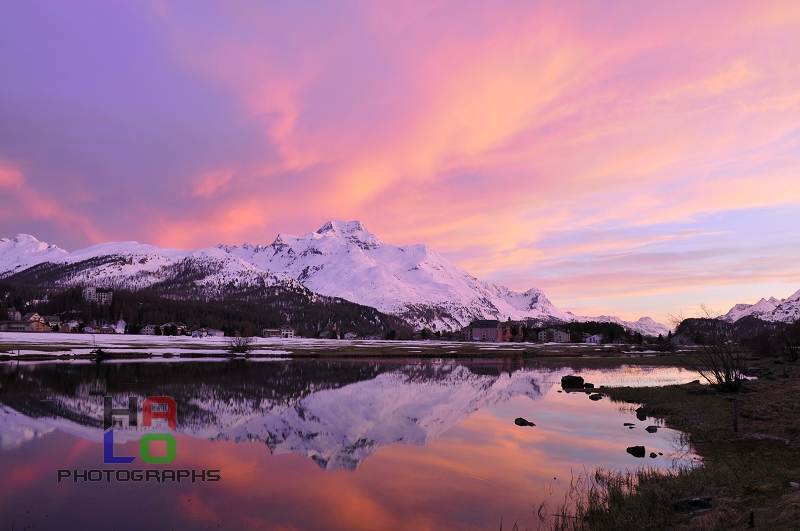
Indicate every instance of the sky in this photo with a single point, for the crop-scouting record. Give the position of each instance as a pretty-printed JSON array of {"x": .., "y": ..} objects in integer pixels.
[{"x": 628, "y": 158}]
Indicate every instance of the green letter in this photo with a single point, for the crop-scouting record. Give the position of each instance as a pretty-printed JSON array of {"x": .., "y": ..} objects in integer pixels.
[{"x": 144, "y": 448}]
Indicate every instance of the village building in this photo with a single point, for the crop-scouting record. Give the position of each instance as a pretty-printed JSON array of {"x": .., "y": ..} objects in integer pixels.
[
  {"x": 553, "y": 335},
  {"x": 14, "y": 315},
  {"x": 596, "y": 339},
  {"x": 30, "y": 322},
  {"x": 32, "y": 316},
  {"x": 487, "y": 330},
  {"x": 148, "y": 330},
  {"x": 100, "y": 296},
  {"x": 284, "y": 332},
  {"x": 207, "y": 332},
  {"x": 52, "y": 320}
]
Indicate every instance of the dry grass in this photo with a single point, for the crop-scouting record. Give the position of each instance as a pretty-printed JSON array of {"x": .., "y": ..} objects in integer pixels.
[{"x": 744, "y": 471}]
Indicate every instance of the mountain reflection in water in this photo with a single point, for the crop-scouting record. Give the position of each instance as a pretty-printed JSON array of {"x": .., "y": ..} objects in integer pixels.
[{"x": 339, "y": 413}]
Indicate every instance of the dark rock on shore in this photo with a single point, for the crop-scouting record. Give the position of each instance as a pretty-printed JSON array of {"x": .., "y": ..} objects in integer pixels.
[
  {"x": 519, "y": 421},
  {"x": 689, "y": 505},
  {"x": 636, "y": 451},
  {"x": 588, "y": 386}
]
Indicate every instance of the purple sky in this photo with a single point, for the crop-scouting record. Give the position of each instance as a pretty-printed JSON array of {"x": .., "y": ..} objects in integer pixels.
[{"x": 628, "y": 158}]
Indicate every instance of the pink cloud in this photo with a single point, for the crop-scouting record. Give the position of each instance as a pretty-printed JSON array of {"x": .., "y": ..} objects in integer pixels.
[
  {"x": 477, "y": 130},
  {"x": 21, "y": 200}
]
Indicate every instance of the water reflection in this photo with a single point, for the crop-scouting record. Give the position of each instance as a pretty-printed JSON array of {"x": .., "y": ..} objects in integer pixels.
[{"x": 461, "y": 462}]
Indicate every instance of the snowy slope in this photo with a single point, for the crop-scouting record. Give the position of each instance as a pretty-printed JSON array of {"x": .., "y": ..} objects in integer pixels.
[
  {"x": 133, "y": 265},
  {"x": 776, "y": 310},
  {"x": 341, "y": 259},
  {"x": 345, "y": 260},
  {"x": 24, "y": 251}
]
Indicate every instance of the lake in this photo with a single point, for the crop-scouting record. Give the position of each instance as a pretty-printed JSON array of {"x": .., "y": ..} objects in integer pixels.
[{"x": 313, "y": 444}]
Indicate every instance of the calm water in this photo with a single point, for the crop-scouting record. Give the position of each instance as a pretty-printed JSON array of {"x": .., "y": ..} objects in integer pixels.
[{"x": 308, "y": 445}]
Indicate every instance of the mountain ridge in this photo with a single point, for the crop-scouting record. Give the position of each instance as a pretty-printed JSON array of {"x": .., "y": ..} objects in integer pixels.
[
  {"x": 341, "y": 259},
  {"x": 774, "y": 310}
]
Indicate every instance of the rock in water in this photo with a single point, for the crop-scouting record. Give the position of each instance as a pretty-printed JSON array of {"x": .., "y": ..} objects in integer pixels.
[
  {"x": 519, "y": 421},
  {"x": 572, "y": 382},
  {"x": 588, "y": 386},
  {"x": 651, "y": 429},
  {"x": 641, "y": 414},
  {"x": 595, "y": 397},
  {"x": 636, "y": 451},
  {"x": 653, "y": 455}
]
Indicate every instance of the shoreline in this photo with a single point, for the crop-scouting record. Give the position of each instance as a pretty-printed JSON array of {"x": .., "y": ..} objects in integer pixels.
[
  {"x": 43, "y": 347},
  {"x": 755, "y": 469}
]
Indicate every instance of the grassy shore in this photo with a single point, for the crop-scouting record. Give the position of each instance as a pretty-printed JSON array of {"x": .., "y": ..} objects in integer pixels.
[{"x": 750, "y": 470}]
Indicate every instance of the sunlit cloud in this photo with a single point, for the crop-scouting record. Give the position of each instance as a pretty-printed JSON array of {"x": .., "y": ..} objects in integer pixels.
[{"x": 575, "y": 147}]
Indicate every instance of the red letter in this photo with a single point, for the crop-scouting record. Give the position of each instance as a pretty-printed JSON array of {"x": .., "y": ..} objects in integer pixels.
[{"x": 171, "y": 414}]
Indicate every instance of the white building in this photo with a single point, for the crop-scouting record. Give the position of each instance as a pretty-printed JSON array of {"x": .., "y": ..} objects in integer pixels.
[
  {"x": 595, "y": 339},
  {"x": 148, "y": 330}
]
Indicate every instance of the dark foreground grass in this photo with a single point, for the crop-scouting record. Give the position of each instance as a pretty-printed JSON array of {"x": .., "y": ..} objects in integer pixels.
[{"x": 744, "y": 471}]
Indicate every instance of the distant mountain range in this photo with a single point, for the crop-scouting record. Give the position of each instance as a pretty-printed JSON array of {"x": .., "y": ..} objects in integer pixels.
[
  {"x": 775, "y": 310},
  {"x": 341, "y": 259}
]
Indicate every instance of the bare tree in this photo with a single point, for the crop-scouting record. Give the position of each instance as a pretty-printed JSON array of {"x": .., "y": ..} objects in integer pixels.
[
  {"x": 721, "y": 358},
  {"x": 789, "y": 342},
  {"x": 240, "y": 345}
]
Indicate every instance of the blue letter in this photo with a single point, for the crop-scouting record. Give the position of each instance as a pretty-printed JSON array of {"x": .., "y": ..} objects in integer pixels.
[{"x": 108, "y": 450}]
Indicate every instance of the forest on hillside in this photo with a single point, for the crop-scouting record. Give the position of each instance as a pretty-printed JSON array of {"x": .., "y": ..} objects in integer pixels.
[{"x": 244, "y": 312}]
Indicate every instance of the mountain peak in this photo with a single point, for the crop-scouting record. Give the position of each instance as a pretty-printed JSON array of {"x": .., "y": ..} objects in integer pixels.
[
  {"x": 25, "y": 238},
  {"x": 29, "y": 243},
  {"x": 343, "y": 227},
  {"x": 350, "y": 232}
]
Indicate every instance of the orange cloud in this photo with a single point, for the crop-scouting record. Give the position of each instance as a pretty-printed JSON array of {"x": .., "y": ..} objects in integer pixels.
[{"x": 27, "y": 202}]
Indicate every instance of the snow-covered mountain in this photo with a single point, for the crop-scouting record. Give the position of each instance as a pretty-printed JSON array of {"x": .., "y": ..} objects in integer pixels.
[
  {"x": 341, "y": 259},
  {"x": 24, "y": 251},
  {"x": 131, "y": 265},
  {"x": 644, "y": 325},
  {"x": 775, "y": 310},
  {"x": 346, "y": 260}
]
